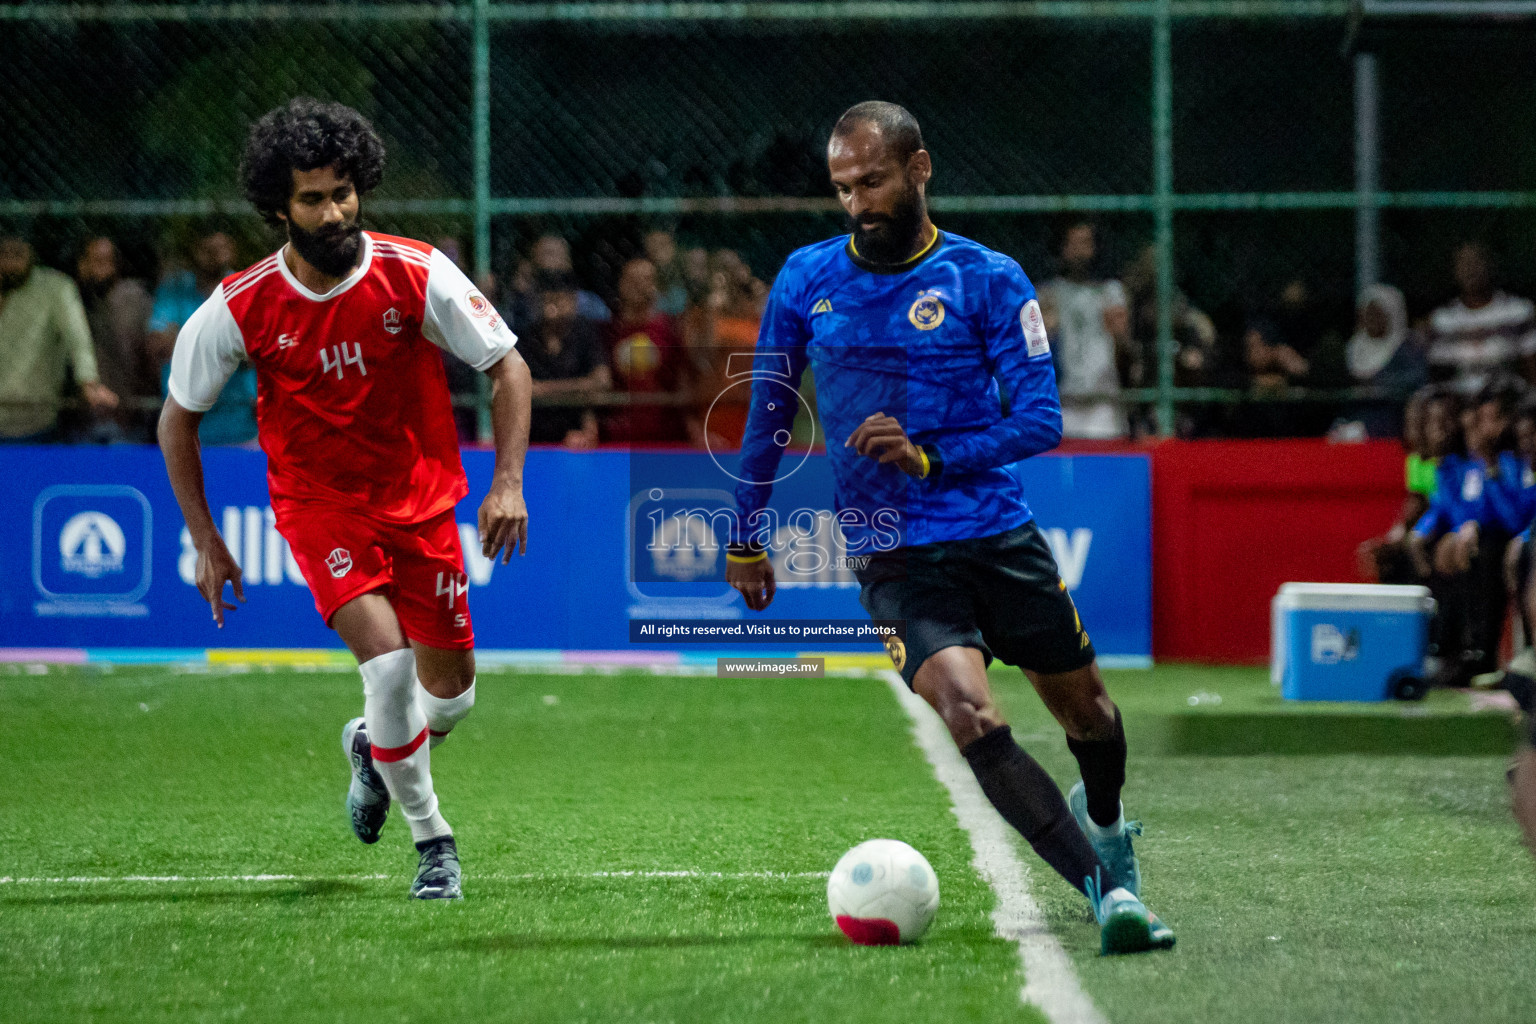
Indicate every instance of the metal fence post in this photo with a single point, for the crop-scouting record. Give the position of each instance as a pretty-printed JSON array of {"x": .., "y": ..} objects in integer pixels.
[
  {"x": 1162, "y": 188},
  {"x": 1367, "y": 173},
  {"x": 481, "y": 115}
]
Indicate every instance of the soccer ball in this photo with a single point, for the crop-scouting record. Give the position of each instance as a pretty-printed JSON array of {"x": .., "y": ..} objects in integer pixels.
[{"x": 883, "y": 892}]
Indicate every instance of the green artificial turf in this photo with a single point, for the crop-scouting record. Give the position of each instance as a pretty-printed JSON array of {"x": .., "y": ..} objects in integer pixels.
[
  {"x": 1386, "y": 884},
  {"x": 1324, "y": 887},
  {"x": 552, "y": 779}
]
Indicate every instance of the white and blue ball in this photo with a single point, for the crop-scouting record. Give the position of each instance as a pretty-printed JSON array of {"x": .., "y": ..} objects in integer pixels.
[{"x": 883, "y": 892}]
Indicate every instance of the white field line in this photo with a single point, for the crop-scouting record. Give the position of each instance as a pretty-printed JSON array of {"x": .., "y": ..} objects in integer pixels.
[
  {"x": 1050, "y": 982},
  {"x": 108, "y": 879},
  {"x": 537, "y": 876}
]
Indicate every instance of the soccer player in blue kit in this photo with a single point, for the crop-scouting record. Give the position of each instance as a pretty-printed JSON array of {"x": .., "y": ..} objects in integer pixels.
[{"x": 933, "y": 374}]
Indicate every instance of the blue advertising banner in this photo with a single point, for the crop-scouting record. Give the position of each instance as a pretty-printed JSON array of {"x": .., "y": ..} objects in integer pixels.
[{"x": 94, "y": 553}]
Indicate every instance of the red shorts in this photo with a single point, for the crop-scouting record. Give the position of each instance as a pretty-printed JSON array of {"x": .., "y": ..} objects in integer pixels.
[{"x": 418, "y": 566}]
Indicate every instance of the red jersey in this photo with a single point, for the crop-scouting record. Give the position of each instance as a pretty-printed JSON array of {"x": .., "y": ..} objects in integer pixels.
[
  {"x": 646, "y": 358},
  {"x": 352, "y": 403}
]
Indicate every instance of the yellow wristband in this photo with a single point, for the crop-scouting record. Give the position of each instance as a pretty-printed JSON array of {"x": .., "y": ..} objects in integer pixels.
[
  {"x": 922, "y": 455},
  {"x": 746, "y": 559}
]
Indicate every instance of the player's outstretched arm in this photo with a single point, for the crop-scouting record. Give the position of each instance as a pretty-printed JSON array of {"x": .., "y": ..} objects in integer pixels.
[
  {"x": 184, "y": 464},
  {"x": 504, "y": 514}
]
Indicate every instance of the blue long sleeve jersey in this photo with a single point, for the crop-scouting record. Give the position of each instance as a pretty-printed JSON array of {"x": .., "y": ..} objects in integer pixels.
[
  {"x": 1468, "y": 491},
  {"x": 950, "y": 343}
]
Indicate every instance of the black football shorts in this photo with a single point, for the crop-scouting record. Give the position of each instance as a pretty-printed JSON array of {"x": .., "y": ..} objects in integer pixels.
[{"x": 1001, "y": 595}]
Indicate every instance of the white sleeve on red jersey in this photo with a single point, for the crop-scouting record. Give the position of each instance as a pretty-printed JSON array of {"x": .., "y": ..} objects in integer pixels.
[
  {"x": 209, "y": 348},
  {"x": 460, "y": 320}
]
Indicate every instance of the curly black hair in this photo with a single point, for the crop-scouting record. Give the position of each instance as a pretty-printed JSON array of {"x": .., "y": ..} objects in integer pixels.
[{"x": 306, "y": 134}]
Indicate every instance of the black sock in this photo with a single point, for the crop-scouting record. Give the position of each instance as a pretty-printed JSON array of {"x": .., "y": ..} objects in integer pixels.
[
  {"x": 1029, "y": 800},
  {"x": 1102, "y": 763}
]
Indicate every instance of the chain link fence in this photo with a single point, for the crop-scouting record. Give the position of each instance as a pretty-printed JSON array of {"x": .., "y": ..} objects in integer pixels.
[{"x": 1215, "y": 143}]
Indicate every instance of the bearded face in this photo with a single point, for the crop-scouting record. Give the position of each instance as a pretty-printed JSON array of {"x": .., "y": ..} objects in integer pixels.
[
  {"x": 890, "y": 237},
  {"x": 331, "y": 250}
]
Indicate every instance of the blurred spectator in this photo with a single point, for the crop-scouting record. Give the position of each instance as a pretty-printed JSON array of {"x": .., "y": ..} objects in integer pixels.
[
  {"x": 661, "y": 250},
  {"x": 43, "y": 333},
  {"x": 232, "y": 420},
  {"x": 1377, "y": 352},
  {"x": 724, "y": 325},
  {"x": 1429, "y": 431},
  {"x": 565, "y": 356},
  {"x": 1382, "y": 354},
  {"x": 1474, "y": 513},
  {"x": 182, "y": 291},
  {"x": 550, "y": 254},
  {"x": 1089, "y": 326},
  {"x": 1299, "y": 321},
  {"x": 118, "y": 308},
  {"x": 1481, "y": 331},
  {"x": 448, "y": 245},
  {"x": 1196, "y": 361},
  {"x": 695, "y": 271},
  {"x": 646, "y": 355},
  {"x": 1273, "y": 367},
  {"x": 463, "y": 381}
]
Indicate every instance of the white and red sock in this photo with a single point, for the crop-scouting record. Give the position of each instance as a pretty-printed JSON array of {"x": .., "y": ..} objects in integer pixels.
[
  {"x": 397, "y": 731},
  {"x": 443, "y": 713}
]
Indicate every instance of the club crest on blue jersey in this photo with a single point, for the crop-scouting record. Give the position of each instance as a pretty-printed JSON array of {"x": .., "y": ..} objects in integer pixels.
[{"x": 927, "y": 312}]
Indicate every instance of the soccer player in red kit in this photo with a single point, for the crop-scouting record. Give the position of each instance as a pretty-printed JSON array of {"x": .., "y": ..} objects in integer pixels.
[{"x": 344, "y": 329}]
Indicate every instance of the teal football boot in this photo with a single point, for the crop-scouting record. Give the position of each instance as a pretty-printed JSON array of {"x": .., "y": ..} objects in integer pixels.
[
  {"x": 1115, "y": 852},
  {"x": 1125, "y": 923}
]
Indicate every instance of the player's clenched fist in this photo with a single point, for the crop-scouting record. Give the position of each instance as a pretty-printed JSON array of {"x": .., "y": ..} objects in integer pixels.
[
  {"x": 881, "y": 437},
  {"x": 503, "y": 522},
  {"x": 215, "y": 567},
  {"x": 754, "y": 580}
]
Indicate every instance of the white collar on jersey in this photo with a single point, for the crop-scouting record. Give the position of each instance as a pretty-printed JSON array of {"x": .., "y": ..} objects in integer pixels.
[{"x": 341, "y": 286}]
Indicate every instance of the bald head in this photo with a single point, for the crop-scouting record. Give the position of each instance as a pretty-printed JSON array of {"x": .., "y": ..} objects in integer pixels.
[{"x": 896, "y": 126}]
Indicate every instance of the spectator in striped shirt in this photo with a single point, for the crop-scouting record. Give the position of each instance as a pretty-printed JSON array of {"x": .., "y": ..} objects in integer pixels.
[{"x": 1483, "y": 330}]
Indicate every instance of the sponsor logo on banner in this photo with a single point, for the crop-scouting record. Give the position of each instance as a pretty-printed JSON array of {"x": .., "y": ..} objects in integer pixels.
[
  {"x": 250, "y": 532},
  {"x": 61, "y": 560},
  {"x": 684, "y": 548},
  {"x": 92, "y": 544},
  {"x": 91, "y": 550},
  {"x": 1070, "y": 552}
]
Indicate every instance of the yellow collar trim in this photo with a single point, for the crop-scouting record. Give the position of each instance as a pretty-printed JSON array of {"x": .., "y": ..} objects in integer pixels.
[{"x": 911, "y": 259}]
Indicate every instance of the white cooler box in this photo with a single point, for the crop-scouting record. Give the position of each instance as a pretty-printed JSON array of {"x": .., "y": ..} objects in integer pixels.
[{"x": 1349, "y": 641}]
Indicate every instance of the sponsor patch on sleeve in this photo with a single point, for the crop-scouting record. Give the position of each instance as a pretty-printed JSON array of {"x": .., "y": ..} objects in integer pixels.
[{"x": 1034, "y": 328}]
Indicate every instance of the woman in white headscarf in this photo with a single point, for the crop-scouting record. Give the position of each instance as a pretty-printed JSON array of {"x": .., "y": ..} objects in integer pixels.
[
  {"x": 1381, "y": 329},
  {"x": 1384, "y": 355}
]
